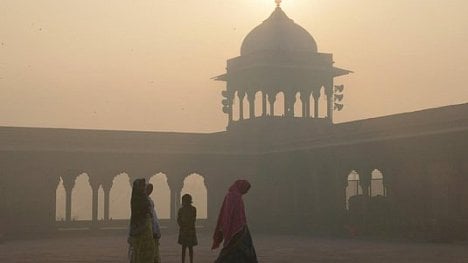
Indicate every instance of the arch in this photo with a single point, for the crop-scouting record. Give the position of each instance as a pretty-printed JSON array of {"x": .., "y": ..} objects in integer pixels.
[
  {"x": 353, "y": 188},
  {"x": 119, "y": 200},
  {"x": 161, "y": 195},
  {"x": 235, "y": 107},
  {"x": 377, "y": 185},
  {"x": 194, "y": 184},
  {"x": 243, "y": 105},
  {"x": 60, "y": 201},
  {"x": 258, "y": 104},
  {"x": 312, "y": 105},
  {"x": 298, "y": 106},
  {"x": 323, "y": 103},
  {"x": 82, "y": 195},
  {"x": 279, "y": 104}
]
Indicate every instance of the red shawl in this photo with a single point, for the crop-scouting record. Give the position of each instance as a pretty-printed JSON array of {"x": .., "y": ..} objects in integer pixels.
[{"x": 231, "y": 217}]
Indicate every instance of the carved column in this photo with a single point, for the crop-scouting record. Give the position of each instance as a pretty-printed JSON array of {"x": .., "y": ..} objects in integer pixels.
[
  {"x": 241, "y": 105},
  {"x": 316, "y": 96},
  {"x": 68, "y": 183},
  {"x": 365, "y": 180},
  {"x": 264, "y": 104},
  {"x": 305, "y": 99},
  {"x": 271, "y": 100},
  {"x": 330, "y": 100},
  {"x": 291, "y": 102},
  {"x": 106, "y": 187},
  {"x": 251, "y": 99},
  {"x": 95, "y": 195},
  {"x": 175, "y": 182}
]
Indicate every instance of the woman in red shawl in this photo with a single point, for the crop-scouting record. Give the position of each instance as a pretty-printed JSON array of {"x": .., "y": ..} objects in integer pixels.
[{"x": 232, "y": 228}]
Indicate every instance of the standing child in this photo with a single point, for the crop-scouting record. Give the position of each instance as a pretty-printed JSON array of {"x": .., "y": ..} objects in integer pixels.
[{"x": 186, "y": 220}]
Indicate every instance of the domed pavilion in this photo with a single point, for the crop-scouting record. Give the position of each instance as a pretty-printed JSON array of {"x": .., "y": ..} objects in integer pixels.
[{"x": 280, "y": 56}]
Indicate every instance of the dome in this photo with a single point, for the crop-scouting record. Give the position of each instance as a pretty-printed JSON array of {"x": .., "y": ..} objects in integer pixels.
[{"x": 278, "y": 33}]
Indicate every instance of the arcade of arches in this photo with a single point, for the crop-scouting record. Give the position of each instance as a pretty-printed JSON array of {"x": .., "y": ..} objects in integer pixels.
[
  {"x": 118, "y": 198},
  {"x": 261, "y": 104}
]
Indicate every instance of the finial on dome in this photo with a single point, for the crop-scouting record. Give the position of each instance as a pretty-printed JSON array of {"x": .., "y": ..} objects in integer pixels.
[{"x": 278, "y": 3}]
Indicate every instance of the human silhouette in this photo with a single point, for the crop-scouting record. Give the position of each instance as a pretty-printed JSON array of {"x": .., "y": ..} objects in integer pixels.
[
  {"x": 186, "y": 218},
  {"x": 155, "y": 224},
  {"x": 232, "y": 228},
  {"x": 140, "y": 239}
]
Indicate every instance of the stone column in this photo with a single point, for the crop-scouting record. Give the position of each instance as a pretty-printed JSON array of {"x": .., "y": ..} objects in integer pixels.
[
  {"x": 291, "y": 103},
  {"x": 175, "y": 182},
  {"x": 305, "y": 99},
  {"x": 241, "y": 105},
  {"x": 68, "y": 183},
  {"x": 106, "y": 187},
  {"x": 271, "y": 100},
  {"x": 330, "y": 100},
  {"x": 251, "y": 99},
  {"x": 264, "y": 104},
  {"x": 365, "y": 175},
  {"x": 95, "y": 195},
  {"x": 316, "y": 95}
]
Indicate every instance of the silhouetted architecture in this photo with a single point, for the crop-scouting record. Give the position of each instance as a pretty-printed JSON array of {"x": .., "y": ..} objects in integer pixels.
[
  {"x": 280, "y": 56},
  {"x": 303, "y": 168}
]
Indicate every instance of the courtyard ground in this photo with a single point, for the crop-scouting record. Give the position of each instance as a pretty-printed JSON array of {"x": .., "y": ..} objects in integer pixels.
[{"x": 270, "y": 249}]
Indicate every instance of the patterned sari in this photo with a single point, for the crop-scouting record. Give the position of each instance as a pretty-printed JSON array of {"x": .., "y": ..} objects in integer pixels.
[
  {"x": 141, "y": 246},
  {"x": 239, "y": 250}
]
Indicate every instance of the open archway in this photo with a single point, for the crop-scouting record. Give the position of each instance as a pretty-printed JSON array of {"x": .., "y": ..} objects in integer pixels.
[
  {"x": 161, "y": 195},
  {"x": 81, "y": 208},
  {"x": 194, "y": 184},
  {"x": 258, "y": 104},
  {"x": 235, "y": 107},
  {"x": 298, "y": 108},
  {"x": 120, "y": 193},
  {"x": 354, "y": 187},
  {"x": 322, "y": 104},
  {"x": 279, "y": 104},
  {"x": 60, "y": 201},
  {"x": 377, "y": 185}
]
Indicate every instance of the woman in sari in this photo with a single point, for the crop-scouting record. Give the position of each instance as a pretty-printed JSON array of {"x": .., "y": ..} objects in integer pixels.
[
  {"x": 232, "y": 228},
  {"x": 140, "y": 240}
]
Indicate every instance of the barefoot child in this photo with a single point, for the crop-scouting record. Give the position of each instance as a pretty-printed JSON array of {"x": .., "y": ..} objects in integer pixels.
[{"x": 186, "y": 219}]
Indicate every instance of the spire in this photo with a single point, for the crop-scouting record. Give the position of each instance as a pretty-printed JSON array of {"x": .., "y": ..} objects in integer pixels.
[{"x": 278, "y": 3}]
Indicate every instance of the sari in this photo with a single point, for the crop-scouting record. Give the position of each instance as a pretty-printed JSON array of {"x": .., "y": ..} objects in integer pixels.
[
  {"x": 232, "y": 228},
  {"x": 141, "y": 244}
]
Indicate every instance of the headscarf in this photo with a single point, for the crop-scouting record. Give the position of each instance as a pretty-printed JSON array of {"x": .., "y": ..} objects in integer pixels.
[
  {"x": 140, "y": 206},
  {"x": 231, "y": 219}
]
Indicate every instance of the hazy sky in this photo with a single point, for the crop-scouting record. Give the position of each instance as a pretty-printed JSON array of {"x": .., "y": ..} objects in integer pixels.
[{"x": 147, "y": 64}]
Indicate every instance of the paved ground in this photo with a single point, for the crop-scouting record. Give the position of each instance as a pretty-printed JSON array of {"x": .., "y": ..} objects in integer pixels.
[{"x": 270, "y": 249}]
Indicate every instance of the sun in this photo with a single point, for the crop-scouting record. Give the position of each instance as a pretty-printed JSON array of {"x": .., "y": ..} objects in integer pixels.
[{"x": 274, "y": 3}]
